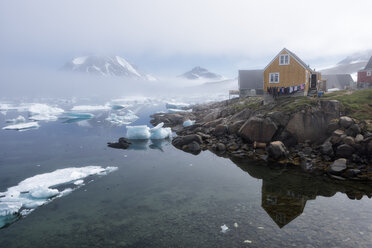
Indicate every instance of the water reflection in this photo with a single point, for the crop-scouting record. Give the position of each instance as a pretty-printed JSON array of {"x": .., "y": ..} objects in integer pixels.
[{"x": 285, "y": 191}]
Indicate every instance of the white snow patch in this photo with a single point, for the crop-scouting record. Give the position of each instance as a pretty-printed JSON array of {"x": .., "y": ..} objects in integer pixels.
[
  {"x": 79, "y": 60},
  {"x": 127, "y": 66},
  {"x": 188, "y": 123},
  {"x": 91, "y": 108},
  {"x": 38, "y": 190},
  {"x": 22, "y": 126}
]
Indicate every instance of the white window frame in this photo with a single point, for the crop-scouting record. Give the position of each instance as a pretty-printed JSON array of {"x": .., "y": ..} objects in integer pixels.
[
  {"x": 286, "y": 59},
  {"x": 273, "y": 80},
  {"x": 369, "y": 73}
]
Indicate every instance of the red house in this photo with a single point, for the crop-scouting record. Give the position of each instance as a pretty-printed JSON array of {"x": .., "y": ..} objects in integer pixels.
[{"x": 365, "y": 76}]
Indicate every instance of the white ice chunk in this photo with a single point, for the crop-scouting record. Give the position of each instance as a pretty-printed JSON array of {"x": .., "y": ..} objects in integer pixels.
[
  {"x": 19, "y": 119},
  {"x": 78, "y": 182},
  {"x": 43, "y": 112},
  {"x": 124, "y": 119},
  {"x": 42, "y": 192},
  {"x": 91, "y": 108},
  {"x": 159, "y": 132},
  {"x": 138, "y": 132},
  {"x": 22, "y": 126},
  {"x": 224, "y": 228},
  {"x": 38, "y": 190},
  {"x": 188, "y": 123},
  {"x": 179, "y": 111},
  {"x": 176, "y": 105}
]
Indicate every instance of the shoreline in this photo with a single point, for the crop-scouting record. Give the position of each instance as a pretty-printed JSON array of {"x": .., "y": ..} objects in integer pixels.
[{"x": 315, "y": 134}]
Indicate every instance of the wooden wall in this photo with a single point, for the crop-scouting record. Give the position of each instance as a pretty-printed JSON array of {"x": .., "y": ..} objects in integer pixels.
[{"x": 289, "y": 75}]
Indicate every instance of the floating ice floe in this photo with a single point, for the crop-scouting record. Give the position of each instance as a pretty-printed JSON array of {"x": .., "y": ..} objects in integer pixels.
[
  {"x": 224, "y": 228},
  {"x": 43, "y": 112},
  {"x": 91, "y": 108},
  {"x": 176, "y": 105},
  {"x": 179, "y": 111},
  {"x": 124, "y": 119},
  {"x": 76, "y": 117},
  {"x": 22, "y": 126},
  {"x": 119, "y": 106},
  {"x": 188, "y": 123},
  {"x": 144, "y": 132},
  {"x": 40, "y": 189},
  {"x": 19, "y": 119}
]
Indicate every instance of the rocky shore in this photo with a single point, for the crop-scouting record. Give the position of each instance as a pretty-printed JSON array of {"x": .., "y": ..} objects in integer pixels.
[{"x": 315, "y": 134}]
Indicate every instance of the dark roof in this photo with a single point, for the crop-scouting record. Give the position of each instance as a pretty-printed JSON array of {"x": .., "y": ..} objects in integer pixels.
[
  {"x": 294, "y": 56},
  {"x": 251, "y": 79},
  {"x": 369, "y": 64},
  {"x": 338, "y": 80}
]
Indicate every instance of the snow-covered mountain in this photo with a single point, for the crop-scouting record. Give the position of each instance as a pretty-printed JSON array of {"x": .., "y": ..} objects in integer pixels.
[
  {"x": 201, "y": 73},
  {"x": 106, "y": 66},
  {"x": 350, "y": 65}
]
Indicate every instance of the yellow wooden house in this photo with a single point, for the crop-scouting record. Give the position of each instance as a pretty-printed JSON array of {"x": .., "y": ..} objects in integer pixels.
[{"x": 288, "y": 74}]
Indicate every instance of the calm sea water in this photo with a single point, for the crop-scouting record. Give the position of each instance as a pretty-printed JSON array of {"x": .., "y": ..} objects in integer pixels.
[{"x": 163, "y": 197}]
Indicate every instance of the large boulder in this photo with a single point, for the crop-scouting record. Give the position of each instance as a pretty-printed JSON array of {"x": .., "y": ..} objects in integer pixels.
[
  {"x": 280, "y": 119},
  {"x": 344, "y": 151},
  {"x": 234, "y": 127},
  {"x": 122, "y": 143},
  {"x": 337, "y": 136},
  {"x": 277, "y": 150},
  {"x": 345, "y": 121},
  {"x": 307, "y": 125},
  {"x": 331, "y": 108},
  {"x": 192, "y": 147},
  {"x": 180, "y": 141},
  {"x": 220, "y": 130},
  {"x": 353, "y": 130},
  {"x": 338, "y": 166},
  {"x": 327, "y": 148},
  {"x": 258, "y": 129},
  {"x": 215, "y": 114},
  {"x": 288, "y": 139},
  {"x": 242, "y": 115}
]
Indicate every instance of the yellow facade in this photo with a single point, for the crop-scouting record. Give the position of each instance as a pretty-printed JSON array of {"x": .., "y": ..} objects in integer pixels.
[{"x": 293, "y": 74}]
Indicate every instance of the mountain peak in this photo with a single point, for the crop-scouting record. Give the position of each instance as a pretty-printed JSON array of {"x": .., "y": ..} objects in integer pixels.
[
  {"x": 199, "y": 72},
  {"x": 105, "y": 66}
]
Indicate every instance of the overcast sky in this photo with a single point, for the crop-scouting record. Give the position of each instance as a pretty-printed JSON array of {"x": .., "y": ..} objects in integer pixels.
[{"x": 170, "y": 36}]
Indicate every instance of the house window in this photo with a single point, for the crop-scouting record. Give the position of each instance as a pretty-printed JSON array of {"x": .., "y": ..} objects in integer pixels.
[
  {"x": 274, "y": 77},
  {"x": 284, "y": 59},
  {"x": 369, "y": 73}
]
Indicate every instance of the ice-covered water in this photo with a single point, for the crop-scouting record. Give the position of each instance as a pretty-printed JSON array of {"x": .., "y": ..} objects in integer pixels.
[{"x": 160, "y": 196}]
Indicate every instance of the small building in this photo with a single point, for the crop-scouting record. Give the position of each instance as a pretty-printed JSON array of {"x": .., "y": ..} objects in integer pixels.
[
  {"x": 287, "y": 74},
  {"x": 365, "y": 75},
  {"x": 250, "y": 82},
  {"x": 340, "y": 81}
]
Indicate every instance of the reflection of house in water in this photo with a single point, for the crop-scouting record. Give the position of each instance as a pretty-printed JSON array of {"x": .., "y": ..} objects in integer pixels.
[
  {"x": 285, "y": 190},
  {"x": 283, "y": 205}
]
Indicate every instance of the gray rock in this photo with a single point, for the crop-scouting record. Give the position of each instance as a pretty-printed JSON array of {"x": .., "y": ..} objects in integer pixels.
[
  {"x": 327, "y": 148},
  {"x": 280, "y": 118},
  {"x": 344, "y": 151},
  {"x": 345, "y": 121},
  {"x": 220, "y": 147},
  {"x": 192, "y": 147},
  {"x": 331, "y": 108},
  {"x": 122, "y": 143},
  {"x": 349, "y": 140},
  {"x": 353, "y": 130},
  {"x": 215, "y": 114},
  {"x": 242, "y": 115},
  {"x": 214, "y": 123},
  {"x": 337, "y": 136},
  {"x": 337, "y": 166},
  {"x": 180, "y": 141},
  {"x": 288, "y": 139},
  {"x": 234, "y": 127},
  {"x": 277, "y": 150},
  {"x": 332, "y": 126},
  {"x": 220, "y": 130},
  {"x": 358, "y": 138},
  {"x": 258, "y": 129}
]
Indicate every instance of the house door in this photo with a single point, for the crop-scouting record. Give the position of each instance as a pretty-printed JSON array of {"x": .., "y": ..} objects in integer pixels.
[{"x": 313, "y": 81}]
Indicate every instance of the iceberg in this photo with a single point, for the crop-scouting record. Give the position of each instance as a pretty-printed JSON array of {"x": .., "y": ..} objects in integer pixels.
[
  {"x": 179, "y": 111},
  {"x": 19, "y": 119},
  {"x": 76, "y": 117},
  {"x": 22, "y": 126},
  {"x": 188, "y": 123},
  {"x": 91, "y": 108},
  {"x": 43, "y": 112},
  {"x": 159, "y": 132},
  {"x": 38, "y": 190},
  {"x": 125, "y": 119},
  {"x": 138, "y": 132},
  {"x": 176, "y": 105},
  {"x": 119, "y": 106},
  {"x": 144, "y": 132}
]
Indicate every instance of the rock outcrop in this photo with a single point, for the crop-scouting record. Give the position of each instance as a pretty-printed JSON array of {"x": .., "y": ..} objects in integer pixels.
[{"x": 258, "y": 129}]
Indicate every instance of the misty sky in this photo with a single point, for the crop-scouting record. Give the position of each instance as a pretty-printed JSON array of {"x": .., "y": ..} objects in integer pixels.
[{"x": 168, "y": 37}]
